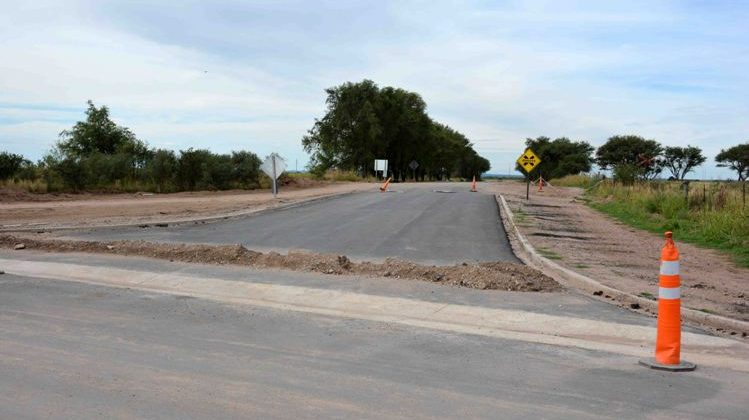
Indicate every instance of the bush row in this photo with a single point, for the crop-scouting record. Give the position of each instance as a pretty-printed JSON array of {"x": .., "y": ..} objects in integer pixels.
[{"x": 156, "y": 170}]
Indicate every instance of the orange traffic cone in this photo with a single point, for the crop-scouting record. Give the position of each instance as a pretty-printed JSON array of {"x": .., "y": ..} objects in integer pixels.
[
  {"x": 540, "y": 184},
  {"x": 668, "y": 342},
  {"x": 384, "y": 186},
  {"x": 473, "y": 185}
]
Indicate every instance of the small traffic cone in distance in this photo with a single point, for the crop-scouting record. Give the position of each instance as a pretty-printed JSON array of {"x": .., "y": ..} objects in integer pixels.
[
  {"x": 473, "y": 185},
  {"x": 540, "y": 184},
  {"x": 384, "y": 186},
  {"x": 668, "y": 341}
]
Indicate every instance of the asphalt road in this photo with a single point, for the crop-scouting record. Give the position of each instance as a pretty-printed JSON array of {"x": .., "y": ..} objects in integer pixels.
[
  {"x": 76, "y": 350},
  {"x": 413, "y": 222}
]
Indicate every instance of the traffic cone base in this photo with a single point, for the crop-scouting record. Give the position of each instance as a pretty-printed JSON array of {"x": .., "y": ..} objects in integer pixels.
[
  {"x": 384, "y": 186},
  {"x": 682, "y": 366}
]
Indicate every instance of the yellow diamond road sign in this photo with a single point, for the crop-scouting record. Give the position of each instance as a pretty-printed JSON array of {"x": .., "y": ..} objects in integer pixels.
[{"x": 528, "y": 160}]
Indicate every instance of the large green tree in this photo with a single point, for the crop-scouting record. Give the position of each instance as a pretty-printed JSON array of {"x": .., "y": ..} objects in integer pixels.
[
  {"x": 96, "y": 153},
  {"x": 99, "y": 134},
  {"x": 349, "y": 134},
  {"x": 682, "y": 160},
  {"x": 560, "y": 157},
  {"x": 11, "y": 164},
  {"x": 735, "y": 158},
  {"x": 631, "y": 155},
  {"x": 364, "y": 122}
]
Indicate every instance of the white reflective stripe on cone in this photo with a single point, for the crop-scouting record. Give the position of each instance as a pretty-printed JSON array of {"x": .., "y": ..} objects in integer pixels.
[
  {"x": 669, "y": 292},
  {"x": 669, "y": 268}
]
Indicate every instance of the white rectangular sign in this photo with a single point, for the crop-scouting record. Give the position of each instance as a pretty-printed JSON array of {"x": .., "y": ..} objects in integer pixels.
[{"x": 381, "y": 165}]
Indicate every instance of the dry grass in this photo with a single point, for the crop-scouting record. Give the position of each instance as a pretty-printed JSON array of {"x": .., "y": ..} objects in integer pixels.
[
  {"x": 580, "y": 181},
  {"x": 35, "y": 186},
  {"x": 711, "y": 215}
]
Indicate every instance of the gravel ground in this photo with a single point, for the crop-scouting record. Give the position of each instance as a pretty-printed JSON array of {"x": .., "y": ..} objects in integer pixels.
[{"x": 562, "y": 227}]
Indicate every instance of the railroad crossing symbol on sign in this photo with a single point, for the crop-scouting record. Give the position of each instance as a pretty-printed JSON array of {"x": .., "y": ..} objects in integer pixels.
[
  {"x": 528, "y": 160},
  {"x": 274, "y": 166}
]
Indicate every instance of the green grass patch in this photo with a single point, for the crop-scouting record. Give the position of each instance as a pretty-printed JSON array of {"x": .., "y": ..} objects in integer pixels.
[
  {"x": 647, "y": 295},
  {"x": 711, "y": 217},
  {"x": 579, "y": 265},
  {"x": 549, "y": 253},
  {"x": 521, "y": 216}
]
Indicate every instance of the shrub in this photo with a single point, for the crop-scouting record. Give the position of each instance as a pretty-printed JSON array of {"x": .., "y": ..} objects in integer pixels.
[
  {"x": 10, "y": 164},
  {"x": 161, "y": 170}
]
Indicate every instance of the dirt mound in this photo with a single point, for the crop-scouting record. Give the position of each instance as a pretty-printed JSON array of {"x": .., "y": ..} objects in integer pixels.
[
  {"x": 299, "y": 182},
  {"x": 12, "y": 195},
  {"x": 485, "y": 276}
]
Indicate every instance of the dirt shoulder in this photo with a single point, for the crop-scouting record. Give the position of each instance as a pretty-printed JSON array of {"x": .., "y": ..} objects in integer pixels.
[
  {"x": 484, "y": 276},
  {"x": 563, "y": 228},
  {"x": 86, "y": 210}
]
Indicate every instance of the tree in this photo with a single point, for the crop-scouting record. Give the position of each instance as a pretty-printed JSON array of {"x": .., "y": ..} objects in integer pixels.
[
  {"x": 560, "y": 157},
  {"x": 101, "y": 152},
  {"x": 363, "y": 122},
  {"x": 192, "y": 168},
  {"x": 10, "y": 164},
  {"x": 348, "y": 136},
  {"x": 682, "y": 160},
  {"x": 638, "y": 155},
  {"x": 735, "y": 158},
  {"x": 99, "y": 134},
  {"x": 161, "y": 169},
  {"x": 246, "y": 168},
  {"x": 72, "y": 172}
]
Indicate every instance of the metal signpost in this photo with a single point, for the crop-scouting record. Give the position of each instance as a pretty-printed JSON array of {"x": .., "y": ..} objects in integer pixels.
[
  {"x": 274, "y": 166},
  {"x": 413, "y": 165},
  {"x": 528, "y": 161}
]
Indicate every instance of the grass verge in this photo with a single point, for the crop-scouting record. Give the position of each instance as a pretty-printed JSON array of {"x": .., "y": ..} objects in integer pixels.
[{"x": 711, "y": 215}]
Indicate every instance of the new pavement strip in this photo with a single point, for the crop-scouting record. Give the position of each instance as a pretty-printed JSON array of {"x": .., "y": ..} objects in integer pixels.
[
  {"x": 412, "y": 223},
  {"x": 594, "y": 334}
]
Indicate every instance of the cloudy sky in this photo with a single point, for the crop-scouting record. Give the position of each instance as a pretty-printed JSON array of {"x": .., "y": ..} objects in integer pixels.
[{"x": 230, "y": 75}]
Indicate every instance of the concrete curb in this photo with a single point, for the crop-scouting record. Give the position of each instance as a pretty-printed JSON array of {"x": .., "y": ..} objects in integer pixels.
[
  {"x": 573, "y": 280},
  {"x": 175, "y": 222}
]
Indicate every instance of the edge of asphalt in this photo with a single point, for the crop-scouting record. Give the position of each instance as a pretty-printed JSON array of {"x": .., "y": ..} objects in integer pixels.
[
  {"x": 212, "y": 218},
  {"x": 584, "y": 284},
  {"x": 505, "y": 323}
]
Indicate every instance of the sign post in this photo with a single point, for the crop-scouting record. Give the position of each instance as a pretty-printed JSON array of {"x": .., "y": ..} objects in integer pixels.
[
  {"x": 528, "y": 161},
  {"x": 273, "y": 166},
  {"x": 413, "y": 165}
]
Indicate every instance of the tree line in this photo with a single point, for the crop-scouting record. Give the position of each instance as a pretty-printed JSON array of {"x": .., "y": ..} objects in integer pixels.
[
  {"x": 629, "y": 158},
  {"x": 364, "y": 122},
  {"x": 97, "y": 154}
]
